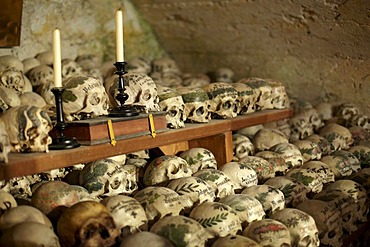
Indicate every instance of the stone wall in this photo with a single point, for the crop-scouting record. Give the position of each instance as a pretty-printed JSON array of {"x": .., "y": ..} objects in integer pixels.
[{"x": 320, "y": 49}]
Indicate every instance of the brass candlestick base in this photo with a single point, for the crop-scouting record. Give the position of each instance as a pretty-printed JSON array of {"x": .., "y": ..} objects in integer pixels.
[
  {"x": 61, "y": 142},
  {"x": 122, "y": 110}
]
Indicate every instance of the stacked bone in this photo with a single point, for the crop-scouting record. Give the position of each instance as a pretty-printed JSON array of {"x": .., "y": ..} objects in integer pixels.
[{"x": 295, "y": 182}]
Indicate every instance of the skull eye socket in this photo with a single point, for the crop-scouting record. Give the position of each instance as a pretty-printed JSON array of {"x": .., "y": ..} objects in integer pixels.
[
  {"x": 331, "y": 234},
  {"x": 200, "y": 111},
  {"x": 146, "y": 95},
  {"x": 115, "y": 184},
  {"x": 172, "y": 113},
  {"x": 226, "y": 105}
]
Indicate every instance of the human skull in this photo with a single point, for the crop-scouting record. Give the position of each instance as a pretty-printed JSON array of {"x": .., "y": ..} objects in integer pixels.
[
  {"x": 196, "y": 104},
  {"x": 165, "y": 65},
  {"x": 242, "y": 174},
  {"x": 281, "y": 125},
  {"x": 334, "y": 128},
  {"x": 165, "y": 168},
  {"x": 242, "y": 146},
  {"x": 142, "y": 92},
  {"x": 5, "y": 146},
  {"x": 292, "y": 155},
  {"x": 313, "y": 118},
  {"x": 268, "y": 232},
  {"x": 19, "y": 187},
  {"x": 141, "y": 239},
  {"x": 217, "y": 218},
  {"x": 362, "y": 177},
  {"x": 172, "y": 103},
  {"x": 309, "y": 150},
  {"x": 265, "y": 138},
  {"x": 51, "y": 196},
  {"x": 250, "y": 131},
  {"x": 7, "y": 201},
  {"x": 302, "y": 227},
  {"x": 29, "y": 234},
  {"x": 357, "y": 192},
  {"x": 262, "y": 91},
  {"x": 338, "y": 164},
  {"x": 199, "y": 158},
  {"x": 246, "y": 98},
  {"x": 294, "y": 191},
  {"x": 138, "y": 65},
  {"x": 346, "y": 205},
  {"x": 360, "y": 120},
  {"x": 359, "y": 134},
  {"x": 34, "y": 99},
  {"x": 45, "y": 57},
  {"x": 8, "y": 98},
  {"x": 222, "y": 184},
  {"x": 223, "y": 74},
  {"x": 88, "y": 62},
  {"x": 362, "y": 153},
  {"x": 272, "y": 199},
  {"x": 276, "y": 160},
  {"x": 29, "y": 63},
  {"x": 248, "y": 208},
  {"x": 307, "y": 177},
  {"x": 23, "y": 213},
  {"x": 105, "y": 177},
  {"x": 159, "y": 202},
  {"x": 195, "y": 80},
  {"x": 84, "y": 97},
  {"x": 233, "y": 241},
  {"x": 320, "y": 168},
  {"x": 322, "y": 142},
  {"x": 128, "y": 214},
  {"x": 71, "y": 68},
  {"x": 325, "y": 110},
  {"x": 40, "y": 75},
  {"x": 87, "y": 223},
  {"x": 12, "y": 76},
  {"x": 279, "y": 97},
  {"x": 193, "y": 189},
  {"x": 346, "y": 111},
  {"x": 223, "y": 100},
  {"x": 263, "y": 168},
  {"x": 181, "y": 231},
  {"x": 352, "y": 160},
  {"x": 300, "y": 127},
  {"x": 53, "y": 174},
  {"x": 328, "y": 221},
  {"x": 28, "y": 128}
]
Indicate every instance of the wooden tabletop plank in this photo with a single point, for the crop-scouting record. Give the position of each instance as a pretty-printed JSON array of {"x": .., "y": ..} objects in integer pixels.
[{"x": 21, "y": 164}]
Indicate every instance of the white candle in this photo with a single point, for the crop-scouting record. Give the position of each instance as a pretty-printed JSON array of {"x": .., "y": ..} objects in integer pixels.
[
  {"x": 119, "y": 37},
  {"x": 57, "y": 61}
]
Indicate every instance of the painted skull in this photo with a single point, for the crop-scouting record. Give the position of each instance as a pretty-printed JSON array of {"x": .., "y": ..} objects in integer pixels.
[
  {"x": 159, "y": 202},
  {"x": 217, "y": 218},
  {"x": 106, "y": 177},
  {"x": 309, "y": 150},
  {"x": 331, "y": 128},
  {"x": 242, "y": 146},
  {"x": 222, "y": 184},
  {"x": 242, "y": 174},
  {"x": 246, "y": 98},
  {"x": 307, "y": 177},
  {"x": 268, "y": 232},
  {"x": 262, "y": 91},
  {"x": 165, "y": 168},
  {"x": 302, "y": 227},
  {"x": 248, "y": 208},
  {"x": 263, "y": 168},
  {"x": 292, "y": 155},
  {"x": 139, "y": 65},
  {"x": 265, "y": 138},
  {"x": 328, "y": 221},
  {"x": 276, "y": 160},
  {"x": 272, "y": 199},
  {"x": 320, "y": 168},
  {"x": 172, "y": 103},
  {"x": 196, "y": 104},
  {"x": 279, "y": 97},
  {"x": 223, "y": 100},
  {"x": 181, "y": 231},
  {"x": 128, "y": 214},
  {"x": 28, "y": 128},
  {"x": 199, "y": 158},
  {"x": 338, "y": 165},
  {"x": 84, "y": 97},
  {"x": 193, "y": 189},
  {"x": 294, "y": 191}
]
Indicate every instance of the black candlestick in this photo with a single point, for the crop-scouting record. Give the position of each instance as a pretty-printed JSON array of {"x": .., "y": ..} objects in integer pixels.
[
  {"x": 61, "y": 142},
  {"x": 122, "y": 110}
]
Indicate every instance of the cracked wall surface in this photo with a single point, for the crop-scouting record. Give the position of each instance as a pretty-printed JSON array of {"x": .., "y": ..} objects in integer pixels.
[{"x": 320, "y": 49}]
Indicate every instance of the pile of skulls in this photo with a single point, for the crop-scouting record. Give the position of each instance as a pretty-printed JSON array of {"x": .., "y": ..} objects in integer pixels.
[{"x": 274, "y": 193}]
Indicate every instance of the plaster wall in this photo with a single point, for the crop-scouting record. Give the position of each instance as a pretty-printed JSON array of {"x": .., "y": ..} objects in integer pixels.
[{"x": 320, "y": 49}]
